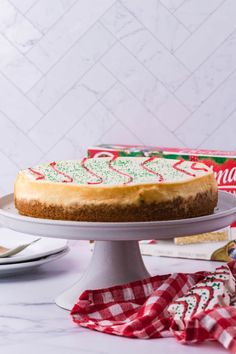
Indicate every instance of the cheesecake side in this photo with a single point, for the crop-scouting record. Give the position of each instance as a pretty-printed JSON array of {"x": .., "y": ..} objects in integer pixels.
[{"x": 117, "y": 203}]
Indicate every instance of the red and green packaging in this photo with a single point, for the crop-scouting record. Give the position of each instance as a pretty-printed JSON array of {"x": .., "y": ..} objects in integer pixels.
[{"x": 223, "y": 163}]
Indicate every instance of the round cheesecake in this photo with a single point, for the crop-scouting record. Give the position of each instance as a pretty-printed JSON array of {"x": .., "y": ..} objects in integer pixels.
[{"x": 116, "y": 189}]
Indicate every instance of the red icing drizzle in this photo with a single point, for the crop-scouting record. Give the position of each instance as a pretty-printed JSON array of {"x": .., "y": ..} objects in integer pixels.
[
  {"x": 40, "y": 175},
  {"x": 198, "y": 298},
  {"x": 91, "y": 172},
  {"x": 151, "y": 171},
  {"x": 184, "y": 305},
  {"x": 119, "y": 172},
  {"x": 210, "y": 297},
  {"x": 69, "y": 178},
  {"x": 175, "y": 166},
  {"x": 194, "y": 167}
]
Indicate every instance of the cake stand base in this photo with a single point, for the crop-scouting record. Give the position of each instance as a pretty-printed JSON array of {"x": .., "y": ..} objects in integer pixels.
[{"x": 112, "y": 263}]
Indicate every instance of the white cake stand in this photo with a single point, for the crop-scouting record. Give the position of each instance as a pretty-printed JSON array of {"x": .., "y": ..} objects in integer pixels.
[{"x": 116, "y": 258}]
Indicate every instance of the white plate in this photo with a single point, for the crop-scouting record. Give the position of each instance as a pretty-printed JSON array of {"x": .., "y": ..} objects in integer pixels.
[
  {"x": 15, "y": 268},
  {"x": 44, "y": 247}
]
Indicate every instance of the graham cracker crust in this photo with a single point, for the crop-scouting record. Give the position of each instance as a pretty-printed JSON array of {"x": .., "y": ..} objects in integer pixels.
[{"x": 179, "y": 208}]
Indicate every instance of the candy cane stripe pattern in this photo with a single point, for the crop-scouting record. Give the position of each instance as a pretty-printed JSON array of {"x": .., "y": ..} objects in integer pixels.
[{"x": 116, "y": 189}]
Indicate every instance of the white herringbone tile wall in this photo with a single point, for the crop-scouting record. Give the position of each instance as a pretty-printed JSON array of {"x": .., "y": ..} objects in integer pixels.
[{"x": 75, "y": 73}]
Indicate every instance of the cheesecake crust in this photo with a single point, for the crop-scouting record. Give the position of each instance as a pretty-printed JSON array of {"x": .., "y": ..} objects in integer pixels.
[{"x": 200, "y": 205}]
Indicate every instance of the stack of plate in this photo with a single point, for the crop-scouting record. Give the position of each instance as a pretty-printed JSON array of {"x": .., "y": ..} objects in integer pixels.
[{"x": 43, "y": 251}]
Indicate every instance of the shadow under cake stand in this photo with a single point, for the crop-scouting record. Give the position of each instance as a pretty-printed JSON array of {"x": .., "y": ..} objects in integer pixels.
[{"x": 116, "y": 257}]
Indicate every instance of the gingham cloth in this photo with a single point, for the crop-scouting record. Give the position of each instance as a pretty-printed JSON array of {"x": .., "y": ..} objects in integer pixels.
[{"x": 140, "y": 310}]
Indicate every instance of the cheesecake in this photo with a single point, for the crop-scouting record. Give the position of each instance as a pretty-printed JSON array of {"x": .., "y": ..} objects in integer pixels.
[{"x": 116, "y": 189}]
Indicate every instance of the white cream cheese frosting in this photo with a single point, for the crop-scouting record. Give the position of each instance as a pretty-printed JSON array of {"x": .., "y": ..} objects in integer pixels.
[{"x": 115, "y": 171}]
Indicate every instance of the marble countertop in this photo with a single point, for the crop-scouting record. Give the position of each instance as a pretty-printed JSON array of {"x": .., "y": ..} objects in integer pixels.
[{"x": 30, "y": 322}]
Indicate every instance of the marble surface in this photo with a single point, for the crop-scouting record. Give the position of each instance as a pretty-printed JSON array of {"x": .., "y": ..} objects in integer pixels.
[{"x": 30, "y": 322}]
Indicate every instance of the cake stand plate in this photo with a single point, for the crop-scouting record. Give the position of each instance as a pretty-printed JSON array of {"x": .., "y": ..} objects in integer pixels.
[{"x": 116, "y": 258}]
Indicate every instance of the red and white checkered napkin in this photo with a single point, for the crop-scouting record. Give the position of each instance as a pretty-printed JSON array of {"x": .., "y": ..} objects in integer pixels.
[{"x": 192, "y": 307}]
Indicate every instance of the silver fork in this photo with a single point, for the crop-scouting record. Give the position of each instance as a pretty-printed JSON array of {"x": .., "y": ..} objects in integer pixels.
[{"x": 7, "y": 252}]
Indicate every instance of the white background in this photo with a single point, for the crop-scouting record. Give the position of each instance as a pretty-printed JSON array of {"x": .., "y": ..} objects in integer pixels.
[{"x": 75, "y": 73}]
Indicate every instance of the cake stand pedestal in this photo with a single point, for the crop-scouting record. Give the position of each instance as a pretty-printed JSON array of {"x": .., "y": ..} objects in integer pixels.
[
  {"x": 116, "y": 258},
  {"x": 112, "y": 263}
]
